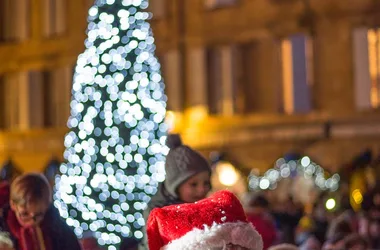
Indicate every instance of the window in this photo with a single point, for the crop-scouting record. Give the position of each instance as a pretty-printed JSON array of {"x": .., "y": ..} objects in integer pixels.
[
  {"x": 3, "y": 20},
  {"x": 56, "y": 96},
  {"x": 366, "y": 44},
  {"x": 257, "y": 88},
  {"x": 297, "y": 73},
  {"x": 43, "y": 97},
  {"x": 172, "y": 71},
  {"x": 12, "y": 95},
  {"x": 49, "y": 106},
  {"x": 246, "y": 72},
  {"x": 214, "y": 80},
  {"x": 35, "y": 105},
  {"x": 54, "y": 17},
  {"x": 195, "y": 85},
  {"x": 214, "y": 4},
  {"x": 35, "y": 99},
  {"x": 14, "y": 20},
  {"x": 221, "y": 80}
]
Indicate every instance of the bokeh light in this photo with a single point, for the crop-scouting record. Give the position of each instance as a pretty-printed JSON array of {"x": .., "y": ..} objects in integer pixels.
[
  {"x": 330, "y": 204},
  {"x": 302, "y": 167}
]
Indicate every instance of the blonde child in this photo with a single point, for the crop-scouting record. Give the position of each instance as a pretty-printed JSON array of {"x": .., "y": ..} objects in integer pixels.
[{"x": 29, "y": 219}]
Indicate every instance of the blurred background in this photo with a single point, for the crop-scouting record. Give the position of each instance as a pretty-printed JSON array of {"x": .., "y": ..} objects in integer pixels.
[{"x": 250, "y": 83}]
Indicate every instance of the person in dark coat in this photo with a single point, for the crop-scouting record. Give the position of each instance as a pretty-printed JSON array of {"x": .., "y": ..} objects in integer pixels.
[
  {"x": 187, "y": 179},
  {"x": 288, "y": 220},
  {"x": 129, "y": 244},
  {"x": 29, "y": 221}
]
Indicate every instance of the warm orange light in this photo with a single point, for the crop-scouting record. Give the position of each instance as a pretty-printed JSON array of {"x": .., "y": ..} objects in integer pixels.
[
  {"x": 374, "y": 65},
  {"x": 357, "y": 196},
  {"x": 196, "y": 113},
  {"x": 228, "y": 176},
  {"x": 287, "y": 76}
]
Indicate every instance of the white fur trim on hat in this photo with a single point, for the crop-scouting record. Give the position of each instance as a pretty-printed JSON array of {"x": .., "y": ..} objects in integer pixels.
[{"x": 217, "y": 236}]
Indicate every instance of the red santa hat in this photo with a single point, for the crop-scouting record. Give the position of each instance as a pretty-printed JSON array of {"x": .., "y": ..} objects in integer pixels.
[{"x": 210, "y": 223}]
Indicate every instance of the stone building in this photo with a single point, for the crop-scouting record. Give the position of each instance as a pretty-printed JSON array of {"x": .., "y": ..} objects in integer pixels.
[
  {"x": 253, "y": 79},
  {"x": 258, "y": 79},
  {"x": 39, "y": 43}
]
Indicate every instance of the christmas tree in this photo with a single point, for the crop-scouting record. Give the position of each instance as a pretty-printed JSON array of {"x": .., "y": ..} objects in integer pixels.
[{"x": 115, "y": 148}]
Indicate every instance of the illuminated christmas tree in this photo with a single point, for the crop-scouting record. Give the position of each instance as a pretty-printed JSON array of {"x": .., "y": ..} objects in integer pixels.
[{"x": 115, "y": 148}]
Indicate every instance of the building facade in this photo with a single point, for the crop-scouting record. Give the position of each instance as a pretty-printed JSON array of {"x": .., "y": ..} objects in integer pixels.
[
  {"x": 258, "y": 79},
  {"x": 39, "y": 43},
  {"x": 250, "y": 79}
]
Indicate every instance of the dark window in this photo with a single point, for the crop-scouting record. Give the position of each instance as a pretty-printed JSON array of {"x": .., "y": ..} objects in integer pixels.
[
  {"x": 54, "y": 17},
  {"x": 297, "y": 72},
  {"x": 214, "y": 81}
]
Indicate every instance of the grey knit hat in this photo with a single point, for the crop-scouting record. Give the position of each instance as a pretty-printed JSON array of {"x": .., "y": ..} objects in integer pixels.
[{"x": 182, "y": 162}]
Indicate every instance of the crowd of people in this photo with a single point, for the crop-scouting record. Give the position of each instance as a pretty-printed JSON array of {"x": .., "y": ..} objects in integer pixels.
[
  {"x": 182, "y": 215},
  {"x": 319, "y": 229}
]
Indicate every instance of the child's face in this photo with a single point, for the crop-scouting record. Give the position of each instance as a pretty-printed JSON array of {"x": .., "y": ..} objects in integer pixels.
[
  {"x": 195, "y": 188},
  {"x": 30, "y": 216}
]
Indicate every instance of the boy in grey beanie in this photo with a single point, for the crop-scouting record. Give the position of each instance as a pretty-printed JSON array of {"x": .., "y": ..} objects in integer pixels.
[
  {"x": 181, "y": 164},
  {"x": 187, "y": 179}
]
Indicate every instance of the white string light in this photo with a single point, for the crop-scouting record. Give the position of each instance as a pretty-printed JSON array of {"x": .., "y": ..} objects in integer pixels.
[
  {"x": 286, "y": 169},
  {"x": 115, "y": 149}
]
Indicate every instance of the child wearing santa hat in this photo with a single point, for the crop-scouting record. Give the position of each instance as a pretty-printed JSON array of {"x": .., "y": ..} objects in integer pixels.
[
  {"x": 215, "y": 223},
  {"x": 187, "y": 178}
]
